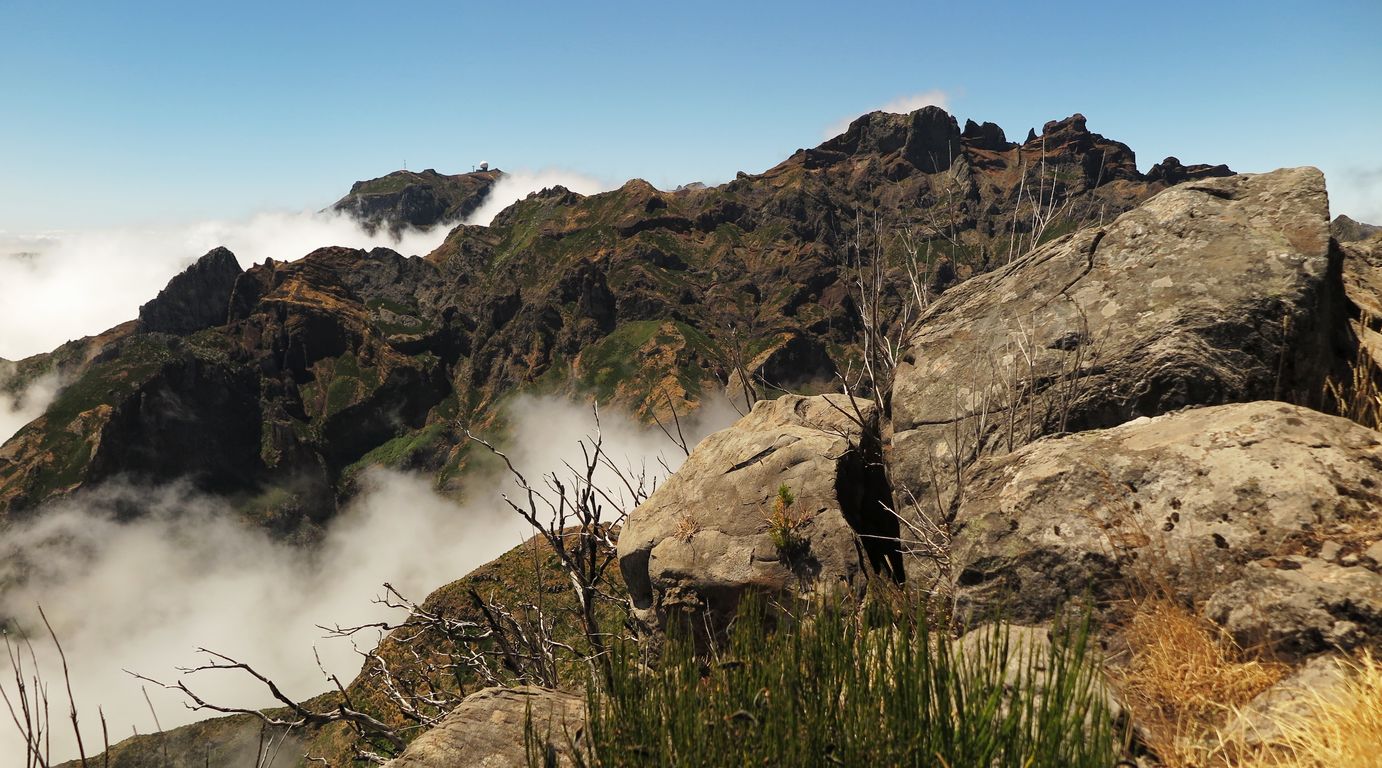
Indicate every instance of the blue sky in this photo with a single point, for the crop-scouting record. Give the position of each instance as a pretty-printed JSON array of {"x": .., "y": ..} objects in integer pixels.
[{"x": 153, "y": 113}]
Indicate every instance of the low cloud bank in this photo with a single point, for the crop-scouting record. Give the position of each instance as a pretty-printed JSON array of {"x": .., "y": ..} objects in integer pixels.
[
  {"x": 60, "y": 286},
  {"x": 144, "y": 594},
  {"x": 517, "y": 185},
  {"x": 20, "y": 408}
]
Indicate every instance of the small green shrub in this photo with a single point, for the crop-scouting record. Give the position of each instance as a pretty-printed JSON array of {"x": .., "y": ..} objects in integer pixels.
[{"x": 786, "y": 526}]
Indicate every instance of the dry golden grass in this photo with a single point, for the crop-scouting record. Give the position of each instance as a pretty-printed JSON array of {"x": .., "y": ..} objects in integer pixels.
[
  {"x": 687, "y": 528},
  {"x": 1358, "y": 398},
  {"x": 1183, "y": 677},
  {"x": 1340, "y": 728}
]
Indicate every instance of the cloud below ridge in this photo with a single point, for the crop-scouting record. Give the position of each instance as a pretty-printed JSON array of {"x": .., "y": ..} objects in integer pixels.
[
  {"x": 517, "y": 185},
  {"x": 59, "y": 286},
  {"x": 143, "y": 594}
]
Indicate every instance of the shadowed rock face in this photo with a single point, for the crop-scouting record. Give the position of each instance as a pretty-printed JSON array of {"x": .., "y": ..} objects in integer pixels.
[
  {"x": 1215, "y": 291},
  {"x": 1361, "y": 245},
  {"x": 1262, "y": 513},
  {"x": 195, "y": 299}
]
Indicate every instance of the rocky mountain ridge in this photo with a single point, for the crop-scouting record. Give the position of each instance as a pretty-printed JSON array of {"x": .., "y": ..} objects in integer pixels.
[{"x": 646, "y": 298}]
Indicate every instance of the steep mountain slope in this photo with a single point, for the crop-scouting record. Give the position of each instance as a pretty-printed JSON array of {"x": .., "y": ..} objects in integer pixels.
[{"x": 647, "y": 298}]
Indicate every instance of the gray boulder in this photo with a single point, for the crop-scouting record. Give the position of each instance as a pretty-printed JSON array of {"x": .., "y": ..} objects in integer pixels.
[
  {"x": 489, "y": 730},
  {"x": 1299, "y": 605},
  {"x": 1214, "y": 291},
  {"x": 703, "y": 540},
  {"x": 1238, "y": 508}
]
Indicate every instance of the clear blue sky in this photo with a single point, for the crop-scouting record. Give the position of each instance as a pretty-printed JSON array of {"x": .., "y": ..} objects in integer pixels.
[{"x": 138, "y": 113}]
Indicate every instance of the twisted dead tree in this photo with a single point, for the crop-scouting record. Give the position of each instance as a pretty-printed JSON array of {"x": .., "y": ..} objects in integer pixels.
[
  {"x": 579, "y": 519},
  {"x": 28, "y": 705}
]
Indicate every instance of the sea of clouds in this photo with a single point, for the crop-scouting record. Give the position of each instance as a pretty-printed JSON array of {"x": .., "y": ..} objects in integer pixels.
[
  {"x": 143, "y": 594},
  {"x": 58, "y": 286}
]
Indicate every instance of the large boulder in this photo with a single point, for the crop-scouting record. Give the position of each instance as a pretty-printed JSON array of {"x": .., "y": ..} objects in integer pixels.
[
  {"x": 704, "y": 540},
  {"x": 1261, "y": 513},
  {"x": 490, "y": 730},
  {"x": 1219, "y": 290}
]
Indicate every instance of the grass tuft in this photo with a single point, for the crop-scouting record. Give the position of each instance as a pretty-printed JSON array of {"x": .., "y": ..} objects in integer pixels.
[{"x": 853, "y": 689}]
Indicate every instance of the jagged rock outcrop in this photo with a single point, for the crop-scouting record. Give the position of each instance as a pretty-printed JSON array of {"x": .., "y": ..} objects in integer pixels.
[
  {"x": 1214, "y": 291},
  {"x": 1346, "y": 230},
  {"x": 986, "y": 136},
  {"x": 1172, "y": 171},
  {"x": 704, "y": 539},
  {"x": 490, "y": 729},
  {"x": 312, "y": 364},
  {"x": 1259, "y": 513},
  {"x": 410, "y": 199},
  {"x": 196, "y": 298}
]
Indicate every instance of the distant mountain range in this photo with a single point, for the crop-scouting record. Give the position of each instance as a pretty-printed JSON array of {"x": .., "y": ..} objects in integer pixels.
[{"x": 308, "y": 371}]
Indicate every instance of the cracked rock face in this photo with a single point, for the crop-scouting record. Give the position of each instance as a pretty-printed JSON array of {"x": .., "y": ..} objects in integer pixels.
[
  {"x": 1263, "y": 513},
  {"x": 1214, "y": 291},
  {"x": 197, "y": 298},
  {"x": 703, "y": 540}
]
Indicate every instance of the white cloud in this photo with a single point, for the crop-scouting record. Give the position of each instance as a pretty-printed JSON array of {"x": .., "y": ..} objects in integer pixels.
[
  {"x": 1356, "y": 192},
  {"x": 59, "y": 286},
  {"x": 55, "y": 287},
  {"x": 516, "y": 185},
  {"x": 144, "y": 594},
  {"x": 900, "y": 105},
  {"x": 20, "y": 409}
]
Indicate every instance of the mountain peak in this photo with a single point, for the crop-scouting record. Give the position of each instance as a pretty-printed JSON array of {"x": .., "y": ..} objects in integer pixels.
[
  {"x": 422, "y": 199},
  {"x": 196, "y": 298}
]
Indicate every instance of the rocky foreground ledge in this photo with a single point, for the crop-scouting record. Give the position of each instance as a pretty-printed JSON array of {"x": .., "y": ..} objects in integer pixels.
[{"x": 1132, "y": 410}]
